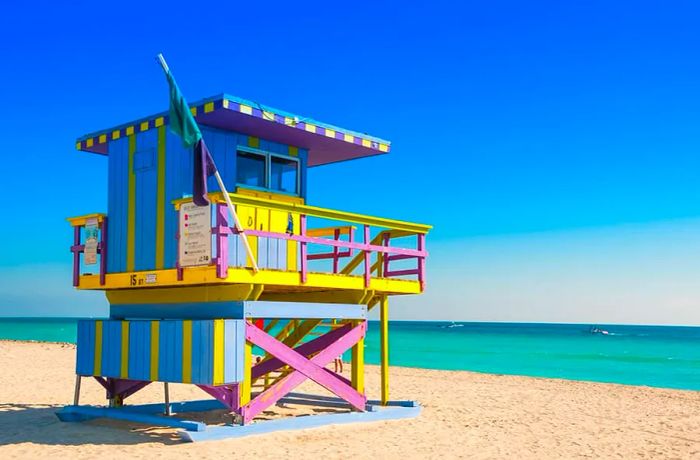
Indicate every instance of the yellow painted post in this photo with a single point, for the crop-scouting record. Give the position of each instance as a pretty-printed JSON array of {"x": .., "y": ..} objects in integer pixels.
[
  {"x": 155, "y": 349},
  {"x": 131, "y": 207},
  {"x": 187, "y": 351},
  {"x": 247, "y": 375},
  {"x": 358, "y": 364},
  {"x": 97, "y": 369},
  {"x": 124, "y": 368},
  {"x": 218, "y": 351},
  {"x": 384, "y": 346}
]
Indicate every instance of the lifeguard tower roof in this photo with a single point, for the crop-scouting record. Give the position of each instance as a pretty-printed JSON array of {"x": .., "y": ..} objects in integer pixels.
[{"x": 325, "y": 143}]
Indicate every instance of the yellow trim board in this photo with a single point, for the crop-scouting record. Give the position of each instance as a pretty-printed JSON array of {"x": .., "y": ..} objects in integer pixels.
[
  {"x": 218, "y": 354},
  {"x": 269, "y": 278},
  {"x": 160, "y": 201},
  {"x": 82, "y": 220},
  {"x": 131, "y": 208},
  {"x": 124, "y": 369},
  {"x": 155, "y": 341},
  {"x": 186, "y": 351},
  {"x": 216, "y": 293},
  {"x": 97, "y": 367}
]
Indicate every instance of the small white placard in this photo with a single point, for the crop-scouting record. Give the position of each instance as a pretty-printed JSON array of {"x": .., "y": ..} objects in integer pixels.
[
  {"x": 90, "y": 252},
  {"x": 195, "y": 235}
]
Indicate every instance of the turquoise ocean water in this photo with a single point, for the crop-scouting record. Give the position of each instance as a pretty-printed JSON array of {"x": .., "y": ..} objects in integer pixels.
[{"x": 662, "y": 356}]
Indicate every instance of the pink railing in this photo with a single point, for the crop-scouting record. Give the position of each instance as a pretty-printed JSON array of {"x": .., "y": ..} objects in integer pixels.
[{"x": 380, "y": 247}]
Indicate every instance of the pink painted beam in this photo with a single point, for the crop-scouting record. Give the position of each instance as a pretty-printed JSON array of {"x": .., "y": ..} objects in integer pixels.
[
  {"x": 385, "y": 262},
  {"x": 305, "y": 349},
  {"x": 399, "y": 257},
  {"x": 304, "y": 368},
  {"x": 302, "y": 230},
  {"x": 339, "y": 243},
  {"x": 411, "y": 271},
  {"x": 336, "y": 253},
  {"x": 102, "y": 249},
  {"x": 328, "y": 255},
  {"x": 221, "y": 241},
  {"x": 368, "y": 275},
  {"x": 421, "y": 261},
  {"x": 76, "y": 256}
]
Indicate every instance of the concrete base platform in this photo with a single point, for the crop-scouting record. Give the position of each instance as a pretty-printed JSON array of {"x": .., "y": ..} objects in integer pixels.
[{"x": 151, "y": 414}]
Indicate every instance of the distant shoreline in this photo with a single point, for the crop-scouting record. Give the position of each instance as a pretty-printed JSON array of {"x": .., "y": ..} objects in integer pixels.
[{"x": 36, "y": 341}]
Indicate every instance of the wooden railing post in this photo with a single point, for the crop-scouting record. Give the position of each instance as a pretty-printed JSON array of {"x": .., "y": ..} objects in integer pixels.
[
  {"x": 384, "y": 347},
  {"x": 367, "y": 256},
  {"x": 103, "y": 251},
  {"x": 336, "y": 251},
  {"x": 421, "y": 261},
  {"x": 302, "y": 245},
  {"x": 222, "y": 240},
  {"x": 76, "y": 255},
  {"x": 385, "y": 262}
]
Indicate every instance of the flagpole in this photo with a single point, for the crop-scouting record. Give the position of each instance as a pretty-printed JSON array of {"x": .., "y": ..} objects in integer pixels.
[
  {"x": 236, "y": 222},
  {"x": 227, "y": 198}
]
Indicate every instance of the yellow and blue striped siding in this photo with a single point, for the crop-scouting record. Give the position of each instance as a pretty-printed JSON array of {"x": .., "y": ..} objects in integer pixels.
[
  {"x": 142, "y": 229},
  {"x": 208, "y": 352}
]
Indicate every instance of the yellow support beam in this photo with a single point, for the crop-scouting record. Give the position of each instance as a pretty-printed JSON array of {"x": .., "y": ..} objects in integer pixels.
[
  {"x": 324, "y": 213},
  {"x": 82, "y": 220},
  {"x": 247, "y": 382},
  {"x": 384, "y": 346},
  {"x": 358, "y": 364}
]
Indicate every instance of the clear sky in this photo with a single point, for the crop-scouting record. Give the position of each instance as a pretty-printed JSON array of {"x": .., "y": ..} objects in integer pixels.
[{"x": 553, "y": 145}]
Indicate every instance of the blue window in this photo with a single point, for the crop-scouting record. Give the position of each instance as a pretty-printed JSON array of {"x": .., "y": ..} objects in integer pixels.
[
  {"x": 259, "y": 169},
  {"x": 250, "y": 169},
  {"x": 284, "y": 173}
]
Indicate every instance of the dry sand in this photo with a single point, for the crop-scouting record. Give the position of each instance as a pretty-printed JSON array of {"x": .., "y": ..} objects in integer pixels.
[{"x": 465, "y": 415}]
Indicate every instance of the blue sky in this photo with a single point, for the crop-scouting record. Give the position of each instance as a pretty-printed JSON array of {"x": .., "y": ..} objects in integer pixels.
[{"x": 543, "y": 140}]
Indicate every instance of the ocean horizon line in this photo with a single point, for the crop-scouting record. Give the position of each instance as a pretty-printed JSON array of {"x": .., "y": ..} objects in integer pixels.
[{"x": 505, "y": 323}]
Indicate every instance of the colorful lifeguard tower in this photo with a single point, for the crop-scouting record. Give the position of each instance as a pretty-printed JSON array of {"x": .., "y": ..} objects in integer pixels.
[{"x": 185, "y": 304}]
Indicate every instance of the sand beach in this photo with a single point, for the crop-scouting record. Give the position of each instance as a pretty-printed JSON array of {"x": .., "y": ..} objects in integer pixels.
[{"x": 466, "y": 415}]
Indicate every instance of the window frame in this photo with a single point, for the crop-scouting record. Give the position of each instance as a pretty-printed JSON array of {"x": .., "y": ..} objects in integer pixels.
[{"x": 268, "y": 170}]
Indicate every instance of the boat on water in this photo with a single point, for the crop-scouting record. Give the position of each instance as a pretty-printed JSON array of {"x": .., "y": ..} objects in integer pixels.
[
  {"x": 597, "y": 330},
  {"x": 453, "y": 324}
]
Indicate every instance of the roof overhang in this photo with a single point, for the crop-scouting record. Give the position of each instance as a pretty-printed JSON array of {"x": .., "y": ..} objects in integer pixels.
[{"x": 325, "y": 143}]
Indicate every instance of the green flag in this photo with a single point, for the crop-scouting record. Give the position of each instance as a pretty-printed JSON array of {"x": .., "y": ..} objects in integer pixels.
[{"x": 181, "y": 119}]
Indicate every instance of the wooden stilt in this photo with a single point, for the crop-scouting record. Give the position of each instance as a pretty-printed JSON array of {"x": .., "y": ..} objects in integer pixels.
[
  {"x": 358, "y": 365},
  {"x": 384, "y": 346},
  {"x": 76, "y": 395},
  {"x": 166, "y": 390}
]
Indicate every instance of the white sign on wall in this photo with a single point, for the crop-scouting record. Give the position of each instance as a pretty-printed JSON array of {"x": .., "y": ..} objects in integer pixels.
[
  {"x": 90, "y": 252},
  {"x": 195, "y": 235}
]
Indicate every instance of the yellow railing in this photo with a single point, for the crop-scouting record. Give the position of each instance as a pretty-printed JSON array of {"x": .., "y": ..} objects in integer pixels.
[{"x": 315, "y": 211}]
